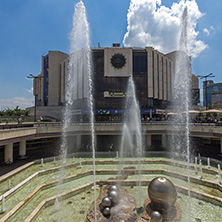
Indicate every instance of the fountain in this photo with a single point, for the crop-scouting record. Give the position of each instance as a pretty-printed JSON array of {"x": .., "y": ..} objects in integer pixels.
[
  {"x": 181, "y": 100},
  {"x": 195, "y": 164},
  {"x": 163, "y": 195},
  {"x": 56, "y": 205},
  {"x": 3, "y": 205},
  {"x": 36, "y": 196},
  {"x": 9, "y": 184},
  {"x": 117, "y": 155},
  {"x": 132, "y": 133},
  {"x": 208, "y": 162},
  {"x": 34, "y": 189},
  {"x": 80, "y": 163},
  {"x": 79, "y": 68},
  {"x": 200, "y": 170}
]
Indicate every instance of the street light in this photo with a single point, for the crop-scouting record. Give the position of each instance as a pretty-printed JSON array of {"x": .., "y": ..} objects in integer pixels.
[
  {"x": 31, "y": 76},
  {"x": 206, "y": 76}
]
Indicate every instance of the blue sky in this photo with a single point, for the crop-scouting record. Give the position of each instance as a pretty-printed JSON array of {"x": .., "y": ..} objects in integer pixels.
[{"x": 30, "y": 28}]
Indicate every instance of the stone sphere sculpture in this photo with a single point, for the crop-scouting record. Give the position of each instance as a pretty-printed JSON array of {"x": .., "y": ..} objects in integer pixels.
[
  {"x": 113, "y": 195},
  {"x": 106, "y": 202},
  {"x": 106, "y": 211},
  {"x": 113, "y": 188},
  {"x": 162, "y": 193},
  {"x": 156, "y": 217}
]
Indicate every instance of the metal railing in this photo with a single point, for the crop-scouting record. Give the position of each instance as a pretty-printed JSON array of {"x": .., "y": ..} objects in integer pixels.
[{"x": 53, "y": 124}]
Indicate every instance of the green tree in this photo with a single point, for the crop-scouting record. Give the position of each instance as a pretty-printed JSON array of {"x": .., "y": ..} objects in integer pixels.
[
  {"x": 208, "y": 115},
  {"x": 215, "y": 115},
  {"x": 25, "y": 112},
  {"x": 2, "y": 112},
  {"x": 9, "y": 112},
  {"x": 200, "y": 114},
  {"x": 209, "y": 106},
  {"x": 17, "y": 111}
]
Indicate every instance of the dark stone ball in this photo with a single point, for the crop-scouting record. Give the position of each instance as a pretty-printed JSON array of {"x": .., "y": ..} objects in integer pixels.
[
  {"x": 106, "y": 202},
  {"x": 106, "y": 211},
  {"x": 162, "y": 192},
  {"x": 156, "y": 217},
  {"x": 113, "y": 188},
  {"x": 113, "y": 195}
]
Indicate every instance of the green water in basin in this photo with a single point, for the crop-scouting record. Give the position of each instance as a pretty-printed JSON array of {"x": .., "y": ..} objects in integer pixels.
[
  {"x": 19, "y": 177},
  {"x": 44, "y": 194},
  {"x": 76, "y": 207},
  {"x": 15, "y": 198}
]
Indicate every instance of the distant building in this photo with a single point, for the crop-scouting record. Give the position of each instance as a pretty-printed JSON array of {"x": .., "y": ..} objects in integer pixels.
[
  {"x": 152, "y": 71},
  {"x": 212, "y": 94}
]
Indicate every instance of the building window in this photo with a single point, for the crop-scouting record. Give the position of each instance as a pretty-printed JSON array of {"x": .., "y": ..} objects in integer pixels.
[
  {"x": 170, "y": 81},
  {"x": 158, "y": 73},
  {"x": 162, "y": 80},
  {"x": 153, "y": 71},
  {"x": 139, "y": 64},
  {"x": 167, "y": 79}
]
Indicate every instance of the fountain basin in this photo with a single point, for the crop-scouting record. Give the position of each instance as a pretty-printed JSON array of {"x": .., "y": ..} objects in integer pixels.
[{"x": 43, "y": 185}]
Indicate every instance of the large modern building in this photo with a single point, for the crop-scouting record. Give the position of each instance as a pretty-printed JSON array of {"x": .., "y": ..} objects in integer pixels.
[
  {"x": 212, "y": 94},
  {"x": 152, "y": 71}
]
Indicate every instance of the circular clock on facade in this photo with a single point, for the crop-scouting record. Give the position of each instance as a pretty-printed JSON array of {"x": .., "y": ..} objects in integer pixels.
[{"x": 118, "y": 60}]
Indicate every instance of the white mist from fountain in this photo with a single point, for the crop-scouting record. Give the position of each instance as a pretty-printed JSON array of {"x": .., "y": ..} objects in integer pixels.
[
  {"x": 208, "y": 162},
  {"x": 3, "y": 205},
  {"x": 56, "y": 205},
  {"x": 9, "y": 184},
  {"x": 181, "y": 101},
  {"x": 200, "y": 170},
  {"x": 79, "y": 79},
  {"x": 195, "y": 164},
  {"x": 219, "y": 174},
  {"x": 132, "y": 143}
]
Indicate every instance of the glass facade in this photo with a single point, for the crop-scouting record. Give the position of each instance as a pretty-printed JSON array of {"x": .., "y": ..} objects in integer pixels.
[
  {"x": 212, "y": 93},
  {"x": 110, "y": 84},
  {"x": 46, "y": 79},
  {"x": 217, "y": 94}
]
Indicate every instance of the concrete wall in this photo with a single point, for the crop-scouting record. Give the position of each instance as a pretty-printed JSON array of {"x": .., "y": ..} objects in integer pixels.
[
  {"x": 55, "y": 57},
  {"x": 50, "y": 130},
  {"x": 160, "y": 71}
]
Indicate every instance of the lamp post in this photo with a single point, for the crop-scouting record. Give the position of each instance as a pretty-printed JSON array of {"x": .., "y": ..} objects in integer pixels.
[
  {"x": 31, "y": 76},
  {"x": 205, "y": 77}
]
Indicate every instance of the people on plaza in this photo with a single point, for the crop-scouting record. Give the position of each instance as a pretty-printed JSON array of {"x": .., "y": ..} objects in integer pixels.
[
  {"x": 110, "y": 147},
  {"x": 20, "y": 120}
]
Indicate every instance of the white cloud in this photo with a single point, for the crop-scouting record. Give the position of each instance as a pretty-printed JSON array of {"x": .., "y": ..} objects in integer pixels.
[
  {"x": 11, "y": 103},
  {"x": 29, "y": 90},
  {"x": 212, "y": 28},
  {"x": 152, "y": 24},
  {"x": 206, "y": 31}
]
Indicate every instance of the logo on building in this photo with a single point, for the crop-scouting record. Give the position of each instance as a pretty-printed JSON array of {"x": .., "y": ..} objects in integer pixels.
[
  {"x": 118, "y": 60},
  {"x": 117, "y": 94}
]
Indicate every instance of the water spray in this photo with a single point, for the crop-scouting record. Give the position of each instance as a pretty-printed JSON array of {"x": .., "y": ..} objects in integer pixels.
[
  {"x": 195, "y": 166},
  {"x": 9, "y": 184},
  {"x": 200, "y": 170},
  {"x": 3, "y": 205},
  {"x": 208, "y": 162}
]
